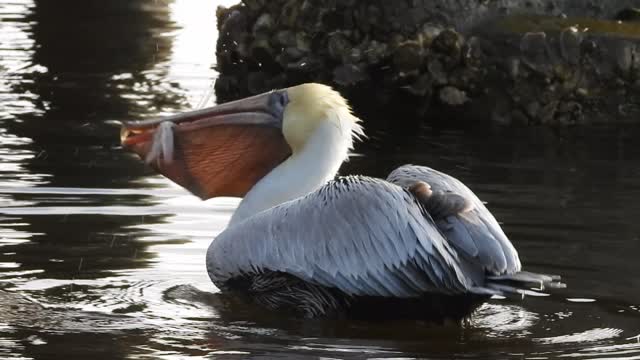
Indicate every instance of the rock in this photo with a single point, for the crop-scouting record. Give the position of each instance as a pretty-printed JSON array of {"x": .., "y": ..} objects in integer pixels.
[
  {"x": 452, "y": 96},
  {"x": 263, "y": 25},
  {"x": 437, "y": 72},
  {"x": 303, "y": 42},
  {"x": 547, "y": 112},
  {"x": 472, "y": 53},
  {"x": 571, "y": 45},
  {"x": 513, "y": 66},
  {"x": 289, "y": 14},
  {"x": 395, "y": 40},
  {"x": 628, "y": 14},
  {"x": 462, "y": 77},
  {"x": 240, "y": 50},
  {"x": 628, "y": 58},
  {"x": 421, "y": 87},
  {"x": 254, "y": 5},
  {"x": 430, "y": 32},
  {"x": 261, "y": 51},
  {"x": 285, "y": 38},
  {"x": 337, "y": 46},
  {"x": 582, "y": 92},
  {"x": 533, "y": 109},
  {"x": 375, "y": 52},
  {"x": 448, "y": 43},
  {"x": 348, "y": 75},
  {"x": 519, "y": 118},
  {"x": 354, "y": 56},
  {"x": 500, "y": 111},
  {"x": 628, "y": 110},
  {"x": 292, "y": 54},
  {"x": 571, "y": 113},
  {"x": 408, "y": 57},
  {"x": 305, "y": 65},
  {"x": 535, "y": 52},
  {"x": 232, "y": 23},
  {"x": 257, "y": 82}
]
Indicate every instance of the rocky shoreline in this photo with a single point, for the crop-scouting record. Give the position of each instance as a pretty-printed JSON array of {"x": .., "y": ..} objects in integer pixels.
[{"x": 518, "y": 62}]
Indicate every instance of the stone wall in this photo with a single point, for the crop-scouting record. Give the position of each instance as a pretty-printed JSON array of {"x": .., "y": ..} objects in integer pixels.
[{"x": 556, "y": 62}]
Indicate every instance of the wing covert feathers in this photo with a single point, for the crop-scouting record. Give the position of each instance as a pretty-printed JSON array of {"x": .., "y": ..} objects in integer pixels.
[
  {"x": 361, "y": 235},
  {"x": 465, "y": 222}
]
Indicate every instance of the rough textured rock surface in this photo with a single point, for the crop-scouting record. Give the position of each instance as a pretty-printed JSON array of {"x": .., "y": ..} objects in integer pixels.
[{"x": 555, "y": 62}]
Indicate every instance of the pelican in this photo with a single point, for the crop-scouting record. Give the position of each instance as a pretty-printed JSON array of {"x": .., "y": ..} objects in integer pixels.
[{"x": 419, "y": 244}]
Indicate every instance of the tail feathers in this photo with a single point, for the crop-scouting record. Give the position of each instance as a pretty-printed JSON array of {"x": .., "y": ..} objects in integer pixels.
[{"x": 519, "y": 284}]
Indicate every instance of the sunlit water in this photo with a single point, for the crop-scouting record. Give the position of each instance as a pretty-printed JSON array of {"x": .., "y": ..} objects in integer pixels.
[{"x": 99, "y": 258}]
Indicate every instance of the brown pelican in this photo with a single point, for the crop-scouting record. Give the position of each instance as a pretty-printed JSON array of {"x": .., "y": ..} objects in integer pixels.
[{"x": 419, "y": 244}]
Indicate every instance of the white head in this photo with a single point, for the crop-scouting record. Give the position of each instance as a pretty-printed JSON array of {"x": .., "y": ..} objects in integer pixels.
[
  {"x": 268, "y": 148},
  {"x": 312, "y": 106}
]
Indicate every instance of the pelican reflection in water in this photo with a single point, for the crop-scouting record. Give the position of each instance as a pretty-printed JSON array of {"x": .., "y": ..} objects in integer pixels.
[{"x": 418, "y": 244}]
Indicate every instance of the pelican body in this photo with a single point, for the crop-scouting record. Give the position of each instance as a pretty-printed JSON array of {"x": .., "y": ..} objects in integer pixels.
[{"x": 418, "y": 244}]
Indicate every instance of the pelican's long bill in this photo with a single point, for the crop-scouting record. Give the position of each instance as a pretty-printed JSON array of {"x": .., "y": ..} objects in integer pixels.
[{"x": 219, "y": 151}]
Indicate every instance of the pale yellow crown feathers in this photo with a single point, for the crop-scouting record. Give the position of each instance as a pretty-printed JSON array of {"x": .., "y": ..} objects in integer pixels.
[{"x": 312, "y": 104}]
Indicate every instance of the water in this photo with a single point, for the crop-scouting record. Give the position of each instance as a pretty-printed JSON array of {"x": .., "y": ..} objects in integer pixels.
[{"x": 100, "y": 258}]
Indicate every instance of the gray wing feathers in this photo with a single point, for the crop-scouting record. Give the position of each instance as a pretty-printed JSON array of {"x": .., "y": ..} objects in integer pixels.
[
  {"x": 474, "y": 232},
  {"x": 363, "y": 236}
]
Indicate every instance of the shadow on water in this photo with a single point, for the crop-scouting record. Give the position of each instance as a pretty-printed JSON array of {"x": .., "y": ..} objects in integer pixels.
[{"x": 101, "y": 259}]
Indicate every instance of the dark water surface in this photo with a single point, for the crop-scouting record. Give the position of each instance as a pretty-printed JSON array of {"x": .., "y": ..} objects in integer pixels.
[{"x": 99, "y": 258}]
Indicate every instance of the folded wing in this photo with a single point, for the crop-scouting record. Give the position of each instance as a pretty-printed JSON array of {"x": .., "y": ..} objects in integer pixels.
[
  {"x": 361, "y": 235},
  {"x": 470, "y": 228}
]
